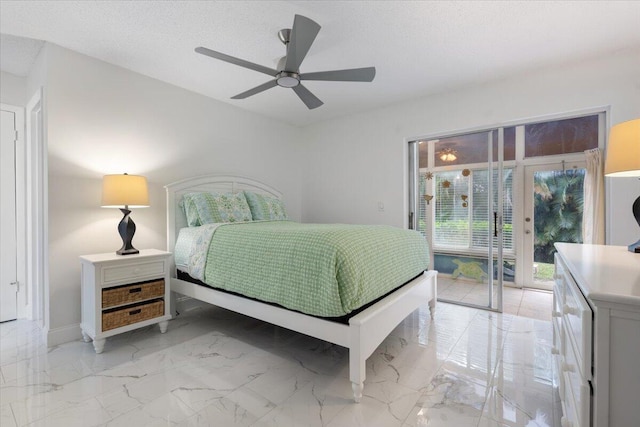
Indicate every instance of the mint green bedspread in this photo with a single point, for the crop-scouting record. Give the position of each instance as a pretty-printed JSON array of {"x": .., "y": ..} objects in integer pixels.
[{"x": 325, "y": 270}]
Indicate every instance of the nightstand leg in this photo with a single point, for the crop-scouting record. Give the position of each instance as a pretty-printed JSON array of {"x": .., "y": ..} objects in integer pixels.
[
  {"x": 85, "y": 337},
  {"x": 98, "y": 345},
  {"x": 163, "y": 326}
]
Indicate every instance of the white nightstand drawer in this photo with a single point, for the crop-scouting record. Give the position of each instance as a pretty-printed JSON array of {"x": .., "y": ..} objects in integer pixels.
[{"x": 132, "y": 272}]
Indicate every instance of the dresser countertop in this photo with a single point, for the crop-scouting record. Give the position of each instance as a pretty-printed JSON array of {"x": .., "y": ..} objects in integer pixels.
[{"x": 604, "y": 273}]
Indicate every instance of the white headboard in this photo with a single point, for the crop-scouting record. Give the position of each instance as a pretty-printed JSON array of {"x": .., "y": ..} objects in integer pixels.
[{"x": 176, "y": 218}]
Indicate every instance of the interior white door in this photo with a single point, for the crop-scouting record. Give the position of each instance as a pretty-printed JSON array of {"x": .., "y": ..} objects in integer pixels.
[{"x": 8, "y": 284}]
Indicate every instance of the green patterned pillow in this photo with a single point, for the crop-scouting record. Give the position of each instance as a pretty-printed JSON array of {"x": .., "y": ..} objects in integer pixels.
[
  {"x": 265, "y": 207},
  {"x": 218, "y": 207},
  {"x": 190, "y": 210}
]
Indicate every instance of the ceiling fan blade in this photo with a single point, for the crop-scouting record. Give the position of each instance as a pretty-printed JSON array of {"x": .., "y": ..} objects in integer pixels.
[
  {"x": 255, "y": 90},
  {"x": 236, "y": 61},
  {"x": 309, "y": 99},
  {"x": 352, "y": 75},
  {"x": 303, "y": 34}
]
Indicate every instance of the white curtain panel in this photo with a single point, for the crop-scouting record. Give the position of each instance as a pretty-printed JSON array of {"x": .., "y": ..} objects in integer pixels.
[{"x": 593, "y": 213}]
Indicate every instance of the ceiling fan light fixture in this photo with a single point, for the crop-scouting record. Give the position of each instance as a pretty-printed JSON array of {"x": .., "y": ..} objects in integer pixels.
[
  {"x": 287, "y": 79},
  {"x": 448, "y": 155}
]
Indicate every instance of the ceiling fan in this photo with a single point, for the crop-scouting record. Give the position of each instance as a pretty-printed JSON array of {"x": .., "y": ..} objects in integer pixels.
[{"x": 298, "y": 41}]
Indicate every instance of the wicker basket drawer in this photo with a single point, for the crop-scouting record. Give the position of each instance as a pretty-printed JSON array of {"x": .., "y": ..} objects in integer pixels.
[
  {"x": 112, "y": 297},
  {"x": 117, "y": 318}
]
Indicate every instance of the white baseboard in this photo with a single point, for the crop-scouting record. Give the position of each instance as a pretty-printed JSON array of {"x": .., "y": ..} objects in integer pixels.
[{"x": 63, "y": 334}]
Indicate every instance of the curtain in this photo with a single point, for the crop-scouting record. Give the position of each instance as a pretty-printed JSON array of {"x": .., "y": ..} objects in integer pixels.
[{"x": 593, "y": 212}]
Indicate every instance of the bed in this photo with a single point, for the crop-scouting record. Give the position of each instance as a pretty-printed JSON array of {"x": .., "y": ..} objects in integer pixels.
[{"x": 361, "y": 331}]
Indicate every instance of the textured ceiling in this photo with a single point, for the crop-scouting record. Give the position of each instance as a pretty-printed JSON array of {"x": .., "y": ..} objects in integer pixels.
[{"x": 418, "y": 47}]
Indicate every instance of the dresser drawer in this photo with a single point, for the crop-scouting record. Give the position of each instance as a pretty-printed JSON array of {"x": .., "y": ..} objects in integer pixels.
[
  {"x": 577, "y": 391},
  {"x": 556, "y": 319},
  {"x": 116, "y": 318},
  {"x": 557, "y": 354},
  {"x": 577, "y": 319},
  {"x": 560, "y": 270},
  {"x": 128, "y": 294},
  {"x": 132, "y": 272}
]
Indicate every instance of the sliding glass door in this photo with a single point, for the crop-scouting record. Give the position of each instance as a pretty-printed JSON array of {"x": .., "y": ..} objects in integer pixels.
[
  {"x": 493, "y": 202},
  {"x": 461, "y": 202}
]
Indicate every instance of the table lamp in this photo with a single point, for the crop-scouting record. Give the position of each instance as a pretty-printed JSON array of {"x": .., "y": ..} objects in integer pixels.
[
  {"x": 124, "y": 192},
  {"x": 623, "y": 160}
]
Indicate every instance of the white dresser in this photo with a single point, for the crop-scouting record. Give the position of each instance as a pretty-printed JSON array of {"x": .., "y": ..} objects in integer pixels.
[{"x": 596, "y": 325}]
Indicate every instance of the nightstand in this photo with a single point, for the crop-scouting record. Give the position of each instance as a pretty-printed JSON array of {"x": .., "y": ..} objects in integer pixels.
[{"x": 121, "y": 293}]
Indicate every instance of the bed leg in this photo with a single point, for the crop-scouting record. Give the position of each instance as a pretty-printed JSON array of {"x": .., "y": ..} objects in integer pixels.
[
  {"x": 173, "y": 305},
  {"x": 357, "y": 391},
  {"x": 163, "y": 326},
  {"x": 357, "y": 363}
]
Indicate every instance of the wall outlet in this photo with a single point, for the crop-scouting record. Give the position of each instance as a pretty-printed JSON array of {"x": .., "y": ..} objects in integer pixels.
[{"x": 380, "y": 207}]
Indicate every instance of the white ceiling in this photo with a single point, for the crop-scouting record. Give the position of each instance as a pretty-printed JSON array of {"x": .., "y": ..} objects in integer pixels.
[{"x": 417, "y": 47}]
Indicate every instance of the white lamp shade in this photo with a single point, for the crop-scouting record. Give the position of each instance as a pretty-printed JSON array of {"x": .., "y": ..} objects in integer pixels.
[
  {"x": 119, "y": 191},
  {"x": 623, "y": 150}
]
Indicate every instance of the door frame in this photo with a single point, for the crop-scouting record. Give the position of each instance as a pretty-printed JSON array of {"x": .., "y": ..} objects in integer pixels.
[
  {"x": 527, "y": 261},
  {"x": 36, "y": 214}
]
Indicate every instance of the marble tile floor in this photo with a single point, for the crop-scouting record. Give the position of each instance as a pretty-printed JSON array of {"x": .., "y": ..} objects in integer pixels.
[
  {"x": 526, "y": 302},
  {"x": 467, "y": 367}
]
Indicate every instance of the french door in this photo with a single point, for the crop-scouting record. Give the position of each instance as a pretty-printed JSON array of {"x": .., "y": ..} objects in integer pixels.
[
  {"x": 457, "y": 200},
  {"x": 552, "y": 213}
]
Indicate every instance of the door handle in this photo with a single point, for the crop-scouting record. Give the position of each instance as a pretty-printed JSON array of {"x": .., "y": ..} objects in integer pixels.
[{"x": 495, "y": 224}]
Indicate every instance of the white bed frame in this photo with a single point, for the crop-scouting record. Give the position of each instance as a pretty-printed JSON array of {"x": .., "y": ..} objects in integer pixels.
[{"x": 365, "y": 331}]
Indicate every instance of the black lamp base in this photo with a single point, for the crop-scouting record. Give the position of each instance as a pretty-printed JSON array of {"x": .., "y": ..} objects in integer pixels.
[
  {"x": 635, "y": 247},
  {"x": 126, "y": 228}
]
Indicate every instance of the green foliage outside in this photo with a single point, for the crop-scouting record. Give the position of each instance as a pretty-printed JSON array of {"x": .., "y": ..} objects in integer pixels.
[
  {"x": 558, "y": 204},
  {"x": 545, "y": 272},
  {"x": 479, "y": 230}
]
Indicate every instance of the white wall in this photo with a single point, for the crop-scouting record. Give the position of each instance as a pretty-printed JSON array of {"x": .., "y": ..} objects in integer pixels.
[
  {"x": 355, "y": 162},
  {"x": 13, "y": 89},
  {"x": 105, "y": 119}
]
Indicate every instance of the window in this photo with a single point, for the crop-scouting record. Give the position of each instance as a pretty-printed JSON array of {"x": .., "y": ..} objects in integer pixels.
[
  {"x": 471, "y": 148},
  {"x": 561, "y": 136},
  {"x": 451, "y": 210},
  {"x": 462, "y": 219}
]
